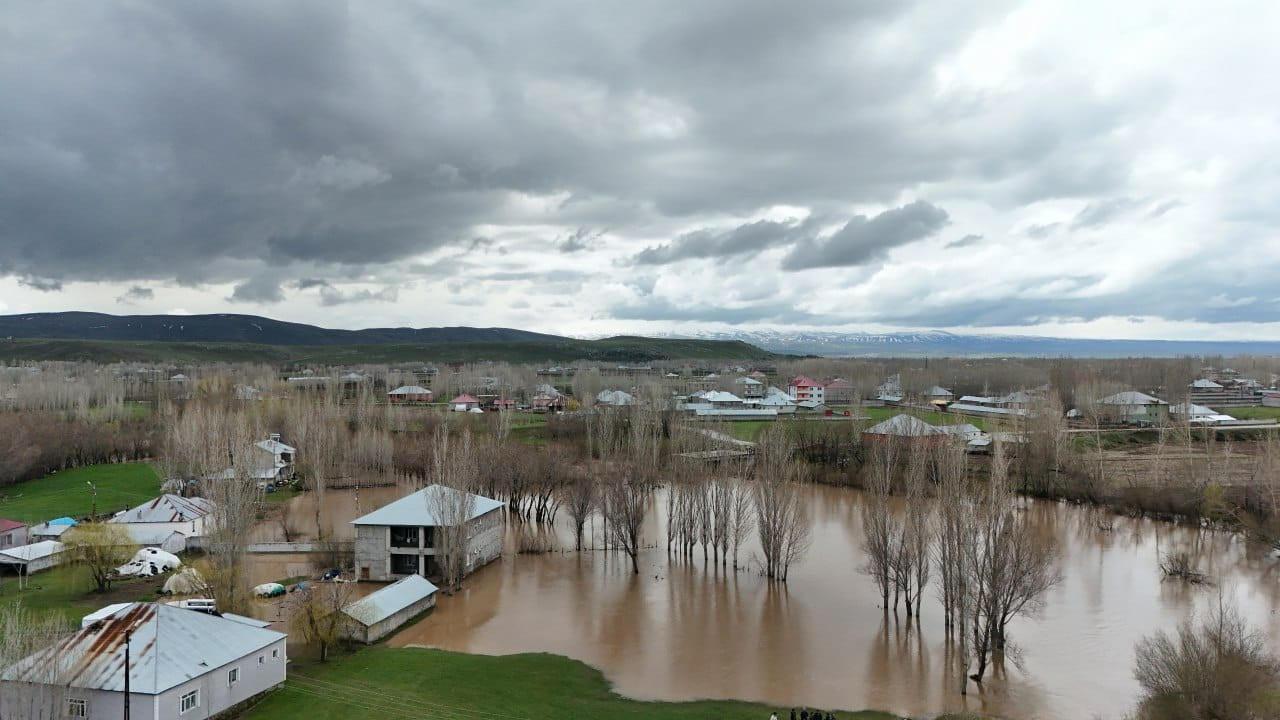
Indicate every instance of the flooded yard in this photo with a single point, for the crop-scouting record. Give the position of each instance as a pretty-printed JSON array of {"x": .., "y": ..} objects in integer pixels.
[{"x": 684, "y": 630}]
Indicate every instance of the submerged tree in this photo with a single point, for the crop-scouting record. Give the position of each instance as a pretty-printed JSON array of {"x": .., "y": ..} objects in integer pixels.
[
  {"x": 880, "y": 529},
  {"x": 781, "y": 523},
  {"x": 1220, "y": 668},
  {"x": 452, "y": 502},
  {"x": 630, "y": 481}
]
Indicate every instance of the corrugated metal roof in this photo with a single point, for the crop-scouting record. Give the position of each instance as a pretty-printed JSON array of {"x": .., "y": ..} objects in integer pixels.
[
  {"x": 275, "y": 447},
  {"x": 167, "y": 509},
  {"x": 410, "y": 390},
  {"x": 34, "y": 551},
  {"x": 904, "y": 426},
  {"x": 390, "y": 600},
  {"x": 763, "y": 413},
  {"x": 6, "y": 524},
  {"x": 962, "y": 429},
  {"x": 417, "y": 509},
  {"x": 985, "y": 409},
  {"x": 167, "y": 647},
  {"x": 1131, "y": 397},
  {"x": 720, "y": 396},
  {"x": 45, "y": 529}
]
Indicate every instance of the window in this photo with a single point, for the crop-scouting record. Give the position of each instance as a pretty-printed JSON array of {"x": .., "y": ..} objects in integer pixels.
[
  {"x": 404, "y": 564},
  {"x": 77, "y": 708},
  {"x": 189, "y": 702},
  {"x": 233, "y": 676},
  {"x": 261, "y": 659},
  {"x": 404, "y": 537},
  {"x": 275, "y": 654}
]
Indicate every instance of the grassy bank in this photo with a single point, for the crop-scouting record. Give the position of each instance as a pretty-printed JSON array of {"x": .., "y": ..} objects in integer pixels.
[
  {"x": 120, "y": 486},
  {"x": 68, "y": 590},
  {"x": 1254, "y": 413},
  {"x": 415, "y": 682}
]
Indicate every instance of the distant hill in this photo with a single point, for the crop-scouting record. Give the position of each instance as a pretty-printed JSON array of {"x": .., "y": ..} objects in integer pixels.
[
  {"x": 249, "y": 338},
  {"x": 237, "y": 328},
  {"x": 938, "y": 344}
]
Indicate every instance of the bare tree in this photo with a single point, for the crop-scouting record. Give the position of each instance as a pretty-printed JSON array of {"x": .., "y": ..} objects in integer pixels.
[
  {"x": 1011, "y": 566},
  {"x": 783, "y": 527},
  {"x": 1220, "y": 668},
  {"x": 913, "y": 549},
  {"x": 316, "y": 614},
  {"x": 37, "y": 673},
  {"x": 580, "y": 500},
  {"x": 880, "y": 529},
  {"x": 451, "y": 501},
  {"x": 631, "y": 481}
]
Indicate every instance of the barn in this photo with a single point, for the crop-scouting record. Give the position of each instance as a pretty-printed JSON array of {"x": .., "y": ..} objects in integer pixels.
[
  {"x": 906, "y": 429},
  {"x": 381, "y": 613}
]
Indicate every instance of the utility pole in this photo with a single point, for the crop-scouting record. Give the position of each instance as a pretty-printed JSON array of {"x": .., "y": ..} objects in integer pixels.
[
  {"x": 126, "y": 674},
  {"x": 93, "y": 490}
]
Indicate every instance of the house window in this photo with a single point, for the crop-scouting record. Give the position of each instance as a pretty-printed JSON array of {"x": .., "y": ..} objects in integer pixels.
[
  {"x": 77, "y": 708},
  {"x": 275, "y": 654},
  {"x": 261, "y": 659},
  {"x": 404, "y": 564},
  {"x": 404, "y": 537},
  {"x": 189, "y": 702},
  {"x": 233, "y": 676}
]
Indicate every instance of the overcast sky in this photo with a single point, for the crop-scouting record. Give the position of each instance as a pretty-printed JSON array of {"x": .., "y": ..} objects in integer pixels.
[{"x": 1061, "y": 167}]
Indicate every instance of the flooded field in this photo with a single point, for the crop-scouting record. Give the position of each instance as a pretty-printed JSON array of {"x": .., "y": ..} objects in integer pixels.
[{"x": 682, "y": 630}]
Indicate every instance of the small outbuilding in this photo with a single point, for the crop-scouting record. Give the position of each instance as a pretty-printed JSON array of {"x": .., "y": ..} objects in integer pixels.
[
  {"x": 906, "y": 429},
  {"x": 464, "y": 403},
  {"x": 35, "y": 557},
  {"x": 381, "y": 613}
]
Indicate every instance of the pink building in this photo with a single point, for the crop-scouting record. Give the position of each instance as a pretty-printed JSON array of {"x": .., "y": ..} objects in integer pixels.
[{"x": 804, "y": 388}]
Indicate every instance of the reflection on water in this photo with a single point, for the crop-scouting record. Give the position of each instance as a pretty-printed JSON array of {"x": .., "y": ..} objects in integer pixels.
[{"x": 682, "y": 630}]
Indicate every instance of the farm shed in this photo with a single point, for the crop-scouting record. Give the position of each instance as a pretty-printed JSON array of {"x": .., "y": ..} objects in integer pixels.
[
  {"x": 28, "y": 559},
  {"x": 375, "y": 616}
]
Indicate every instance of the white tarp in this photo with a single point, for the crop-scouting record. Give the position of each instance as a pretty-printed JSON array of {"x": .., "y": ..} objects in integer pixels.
[{"x": 150, "y": 561}]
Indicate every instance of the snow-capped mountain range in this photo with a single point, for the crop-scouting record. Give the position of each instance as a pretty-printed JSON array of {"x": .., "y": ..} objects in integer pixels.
[{"x": 941, "y": 343}]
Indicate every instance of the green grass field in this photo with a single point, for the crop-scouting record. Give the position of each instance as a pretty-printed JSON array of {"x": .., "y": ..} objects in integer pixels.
[
  {"x": 68, "y": 590},
  {"x": 67, "y": 493},
  {"x": 1253, "y": 413},
  {"x": 413, "y": 682}
]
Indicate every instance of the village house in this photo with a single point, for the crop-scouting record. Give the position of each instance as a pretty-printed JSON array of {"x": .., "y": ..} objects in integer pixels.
[
  {"x": 410, "y": 395},
  {"x": 12, "y": 533},
  {"x": 464, "y": 403},
  {"x": 187, "y": 515},
  {"x": 904, "y": 429},
  {"x": 273, "y": 462},
  {"x": 182, "y": 664},
  {"x": 750, "y": 388},
  {"x": 803, "y": 388},
  {"x": 399, "y": 539},
  {"x": 938, "y": 395},
  {"x": 547, "y": 399},
  {"x": 838, "y": 392},
  {"x": 384, "y": 611},
  {"x": 1134, "y": 408},
  {"x": 616, "y": 398}
]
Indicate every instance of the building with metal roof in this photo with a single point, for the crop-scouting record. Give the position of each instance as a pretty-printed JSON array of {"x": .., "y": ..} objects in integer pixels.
[
  {"x": 167, "y": 514},
  {"x": 1134, "y": 408},
  {"x": 27, "y": 559},
  {"x": 399, "y": 539},
  {"x": 964, "y": 408},
  {"x": 381, "y": 613},
  {"x": 409, "y": 394},
  {"x": 181, "y": 664}
]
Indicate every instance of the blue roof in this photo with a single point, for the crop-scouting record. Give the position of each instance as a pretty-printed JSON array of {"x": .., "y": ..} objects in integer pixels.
[{"x": 63, "y": 521}]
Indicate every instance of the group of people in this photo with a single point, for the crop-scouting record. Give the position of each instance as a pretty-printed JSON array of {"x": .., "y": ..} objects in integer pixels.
[{"x": 807, "y": 714}]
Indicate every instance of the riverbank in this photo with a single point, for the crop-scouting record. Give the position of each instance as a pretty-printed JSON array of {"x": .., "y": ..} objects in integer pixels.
[{"x": 416, "y": 682}]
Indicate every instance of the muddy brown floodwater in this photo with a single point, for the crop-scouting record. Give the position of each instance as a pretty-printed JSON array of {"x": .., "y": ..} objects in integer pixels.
[{"x": 684, "y": 630}]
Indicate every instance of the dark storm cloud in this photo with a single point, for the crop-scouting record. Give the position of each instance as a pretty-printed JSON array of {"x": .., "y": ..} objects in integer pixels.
[
  {"x": 136, "y": 293},
  {"x": 258, "y": 289},
  {"x": 330, "y": 295},
  {"x": 964, "y": 242},
  {"x": 745, "y": 239},
  {"x": 864, "y": 239},
  {"x": 211, "y": 142},
  {"x": 40, "y": 283}
]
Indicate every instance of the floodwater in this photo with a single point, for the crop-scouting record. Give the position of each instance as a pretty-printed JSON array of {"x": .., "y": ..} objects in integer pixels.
[{"x": 684, "y": 630}]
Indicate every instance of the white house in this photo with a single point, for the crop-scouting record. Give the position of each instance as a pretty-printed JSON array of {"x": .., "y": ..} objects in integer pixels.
[
  {"x": 168, "y": 514},
  {"x": 381, "y": 613},
  {"x": 398, "y": 539},
  {"x": 182, "y": 664},
  {"x": 272, "y": 462}
]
